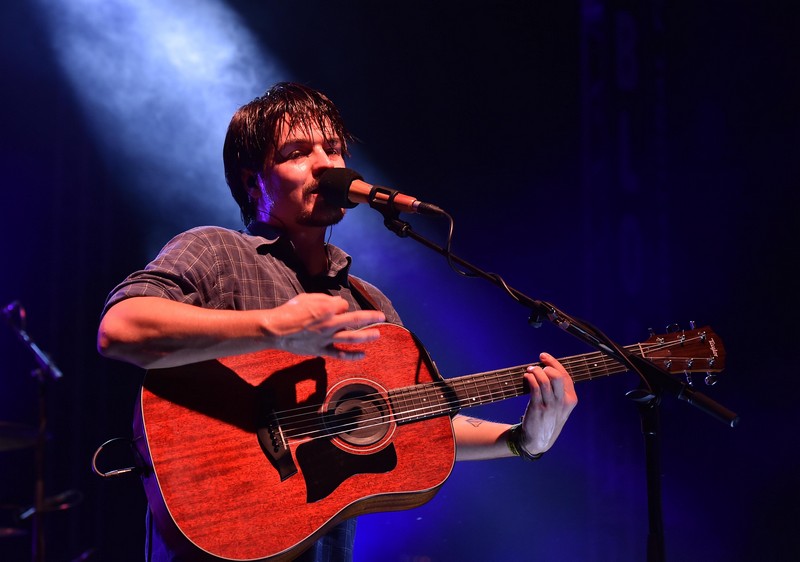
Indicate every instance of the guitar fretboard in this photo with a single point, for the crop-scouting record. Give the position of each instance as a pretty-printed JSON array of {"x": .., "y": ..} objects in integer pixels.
[{"x": 448, "y": 396}]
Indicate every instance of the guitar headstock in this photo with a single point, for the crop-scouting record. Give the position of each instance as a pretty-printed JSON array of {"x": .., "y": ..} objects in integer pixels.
[{"x": 687, "y": 351}]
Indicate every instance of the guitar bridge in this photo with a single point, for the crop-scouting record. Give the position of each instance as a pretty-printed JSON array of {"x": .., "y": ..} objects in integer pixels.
[{"x": 273, "y": 444}]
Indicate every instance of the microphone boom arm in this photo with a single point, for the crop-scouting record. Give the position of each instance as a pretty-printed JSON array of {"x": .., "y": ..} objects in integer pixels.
[{"x": 652, "y": 375}]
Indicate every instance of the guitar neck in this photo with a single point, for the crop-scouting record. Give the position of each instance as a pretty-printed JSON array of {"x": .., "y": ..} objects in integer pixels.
[{"x": 448, "y": 396}]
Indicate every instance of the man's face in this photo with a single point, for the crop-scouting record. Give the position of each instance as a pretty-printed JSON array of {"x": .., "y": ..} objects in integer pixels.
[{"x": 288, "y": 189}]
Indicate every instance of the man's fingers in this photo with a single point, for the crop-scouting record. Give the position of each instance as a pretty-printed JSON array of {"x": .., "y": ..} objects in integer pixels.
[
  {"x": 551, "y": 361},
  {"x": 348, "y": 321},
  {"x": 318, "y": 306},
  {"x": 550, "y": 383},
  {"x": 351, "y": 337},
  {"x": 356, "y": 336},
  {"x": 557, "y": 384},
  {"x": 363, "y": 318},
  {"x": 541, "y": 378},
  {"x": 343, "y": 354}
]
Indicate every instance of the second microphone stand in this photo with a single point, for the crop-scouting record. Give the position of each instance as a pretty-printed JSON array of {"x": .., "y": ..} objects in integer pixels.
[{"x": 46, "y": 371}]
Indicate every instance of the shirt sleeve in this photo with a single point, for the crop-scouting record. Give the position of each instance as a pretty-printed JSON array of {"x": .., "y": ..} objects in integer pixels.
[{"x": 184, "y": 271}]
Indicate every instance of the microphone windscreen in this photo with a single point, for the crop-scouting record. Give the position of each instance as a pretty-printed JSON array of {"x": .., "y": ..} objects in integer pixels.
[{"x": 334, "y": 185}]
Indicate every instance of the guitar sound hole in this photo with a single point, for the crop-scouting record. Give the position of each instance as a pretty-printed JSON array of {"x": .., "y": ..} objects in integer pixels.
[{"x": 357, "y": 414}]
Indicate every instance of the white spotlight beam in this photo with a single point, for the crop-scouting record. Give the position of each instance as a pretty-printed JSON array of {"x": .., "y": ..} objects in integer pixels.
[{"x": 158, "y": 82}]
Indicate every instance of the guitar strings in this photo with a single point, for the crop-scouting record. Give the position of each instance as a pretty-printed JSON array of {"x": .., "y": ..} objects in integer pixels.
[
  {"x": 580, "y": 373},
  {"x": 304, "y": 422}
]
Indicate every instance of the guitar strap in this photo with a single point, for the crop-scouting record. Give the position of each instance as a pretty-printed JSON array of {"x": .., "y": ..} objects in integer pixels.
[{"x": 361, "y": 294}]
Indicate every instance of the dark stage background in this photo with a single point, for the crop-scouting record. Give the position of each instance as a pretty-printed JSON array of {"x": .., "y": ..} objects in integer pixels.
[{"x": 634, "y": 163}]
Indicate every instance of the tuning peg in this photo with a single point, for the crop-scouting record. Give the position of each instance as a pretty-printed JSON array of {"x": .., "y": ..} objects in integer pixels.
[
  {"x": 691, "y": 324},
  {"x": 672, "y": 328},
  {"x": 651, "y": 331},
  {"x": 688, "y": 376},
  {"x": 711, "y": 379}
]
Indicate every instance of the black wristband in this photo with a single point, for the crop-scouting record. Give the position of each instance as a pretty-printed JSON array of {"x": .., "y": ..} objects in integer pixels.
[{"x": 514, "y": 442}]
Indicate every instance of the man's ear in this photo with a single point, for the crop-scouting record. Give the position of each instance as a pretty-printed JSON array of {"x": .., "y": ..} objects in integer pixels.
[{"x": 250, "y": 182}]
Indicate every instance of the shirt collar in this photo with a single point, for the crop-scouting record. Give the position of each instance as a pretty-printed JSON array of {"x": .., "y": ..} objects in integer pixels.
[
  {"x": 262, "y": 233},
  {"x": 266, "y": 237}
]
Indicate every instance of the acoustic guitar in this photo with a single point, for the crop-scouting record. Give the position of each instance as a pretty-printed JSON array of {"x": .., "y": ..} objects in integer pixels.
[{"x": 254, "y": 457}]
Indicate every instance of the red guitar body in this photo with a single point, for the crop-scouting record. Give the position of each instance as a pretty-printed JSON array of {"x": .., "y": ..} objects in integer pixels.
[{"x": 214, "y": 491}]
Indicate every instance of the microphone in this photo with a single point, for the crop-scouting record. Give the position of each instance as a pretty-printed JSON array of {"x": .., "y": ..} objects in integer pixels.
[{"x": 346, "y": 188}]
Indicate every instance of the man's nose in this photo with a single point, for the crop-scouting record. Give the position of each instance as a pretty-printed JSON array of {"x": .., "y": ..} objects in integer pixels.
[{"x": 321, "y": 160}]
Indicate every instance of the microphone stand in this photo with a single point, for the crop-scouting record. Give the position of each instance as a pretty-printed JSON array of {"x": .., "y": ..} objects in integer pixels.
[
  {"x": 655, "y": 381},
  {"x": 45, "y": 371}
]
